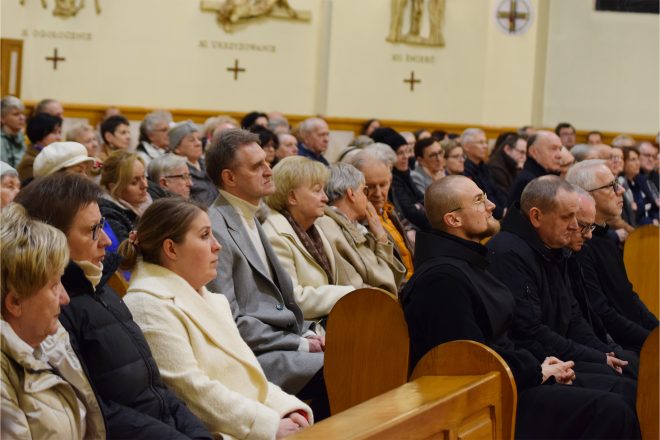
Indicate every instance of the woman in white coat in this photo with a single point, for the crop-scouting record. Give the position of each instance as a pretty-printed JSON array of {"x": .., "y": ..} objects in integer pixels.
[
  {"x": 304, "y": 251},
  {"x": 191, "y": 331}
]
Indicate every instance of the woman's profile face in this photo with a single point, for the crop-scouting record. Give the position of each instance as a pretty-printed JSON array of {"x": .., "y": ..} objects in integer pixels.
[
  {"x": 310, "y": 201},
  {"x": 39, "y": 313},
  {"x": 197, "y": 256},
  {"x": 135, "y": 192}
]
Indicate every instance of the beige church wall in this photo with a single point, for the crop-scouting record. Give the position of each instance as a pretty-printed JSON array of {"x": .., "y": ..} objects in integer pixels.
[
  {"x": 482, "y": 76},
  {"x": 602, "y": 69},
  {"x": 154, "y": 53}
]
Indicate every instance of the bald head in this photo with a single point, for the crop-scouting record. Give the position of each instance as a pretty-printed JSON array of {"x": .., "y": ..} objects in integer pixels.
[
  {"x": 545, "y": 148},
  {"x": 444, "y": 195}
]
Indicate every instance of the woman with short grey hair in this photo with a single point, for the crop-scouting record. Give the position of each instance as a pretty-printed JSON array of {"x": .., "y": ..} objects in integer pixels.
[
  {"x": 364, "y": 254},
  {"x": 153, "y": 141},
  {"x": 12, "y": 123},
  {"x": 170, "y": 172}
]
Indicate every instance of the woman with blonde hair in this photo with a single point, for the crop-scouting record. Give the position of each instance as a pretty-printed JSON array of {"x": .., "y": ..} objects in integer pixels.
[
  {"x": 125, "y": 195},
  {"x": 191, "y": 331},
  {"x": 304, "y": 251},
  {"x": 45, "y": 392}
]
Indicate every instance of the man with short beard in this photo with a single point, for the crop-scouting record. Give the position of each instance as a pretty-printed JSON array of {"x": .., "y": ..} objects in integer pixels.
[
  {"x": 452, "y": 296},
  {"x": 623, "y": 314}
]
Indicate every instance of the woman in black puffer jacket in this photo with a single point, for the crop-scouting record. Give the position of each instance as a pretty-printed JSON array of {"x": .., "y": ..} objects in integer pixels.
[{"x": 115, "y": 356}]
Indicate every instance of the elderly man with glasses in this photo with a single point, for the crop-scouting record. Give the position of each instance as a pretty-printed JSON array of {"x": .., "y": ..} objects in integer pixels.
[
  {"x": 624, "y": 316},
  {"x": 531, "y": 260},
  {"x": 452, "y": 296}
]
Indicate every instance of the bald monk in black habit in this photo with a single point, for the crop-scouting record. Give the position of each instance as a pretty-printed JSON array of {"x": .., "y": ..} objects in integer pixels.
[{"x": 452, "y": 296}]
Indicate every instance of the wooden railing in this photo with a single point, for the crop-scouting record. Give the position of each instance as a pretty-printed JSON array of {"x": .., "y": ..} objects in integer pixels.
[{"x": 94, "y": 113}]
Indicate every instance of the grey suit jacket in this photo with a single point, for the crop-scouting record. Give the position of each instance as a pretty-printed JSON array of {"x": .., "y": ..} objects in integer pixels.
[{"x": 265, "y": 310}]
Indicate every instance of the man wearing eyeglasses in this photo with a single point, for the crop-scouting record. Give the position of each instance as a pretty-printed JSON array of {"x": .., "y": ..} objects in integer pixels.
[
  {"x": 452, "y": 296},
  {"x": 531, "y": 259},
  {"x": 590, "y": 297},
  {"x": 625, "y": 317}
]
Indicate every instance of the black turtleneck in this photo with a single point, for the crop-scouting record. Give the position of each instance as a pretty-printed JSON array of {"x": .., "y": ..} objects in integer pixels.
[
  {"x": 606, "y": 270},
  {"x": 531, "y": 170},
  {"x": 547, "y": 319},
  {"x": 452, "y": 296}
]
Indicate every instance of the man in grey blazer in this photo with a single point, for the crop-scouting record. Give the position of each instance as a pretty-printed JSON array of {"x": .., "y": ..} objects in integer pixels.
[{"x": 250, "y": 275}]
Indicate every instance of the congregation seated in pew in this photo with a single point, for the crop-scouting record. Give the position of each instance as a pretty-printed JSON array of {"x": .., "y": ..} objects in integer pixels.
[
  {"x": 453, "y": 296},
  {"x": 364, "y": 255},
  {"x": 261, "y": 297},
  {"x": 112, "y": 350},
  {"x": 303, "y": 250},
  {"x": 191, "y": 331},
  {"x": 250, "y": 275}
]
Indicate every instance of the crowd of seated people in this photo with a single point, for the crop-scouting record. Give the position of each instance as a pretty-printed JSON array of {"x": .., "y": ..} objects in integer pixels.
[{"x": 236, "y": 243}]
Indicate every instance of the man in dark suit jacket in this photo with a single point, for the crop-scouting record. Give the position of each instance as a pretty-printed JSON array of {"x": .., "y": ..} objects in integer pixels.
[{"x": 250, "y": 275}]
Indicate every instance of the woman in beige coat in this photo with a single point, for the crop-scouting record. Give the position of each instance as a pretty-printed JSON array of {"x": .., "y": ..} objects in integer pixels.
[
  {"x": 304, "y": 251},
  {"x": 364, "y": 254},
  {"x": 45, "y": 393},
  {"x": 191, "y": 331}
]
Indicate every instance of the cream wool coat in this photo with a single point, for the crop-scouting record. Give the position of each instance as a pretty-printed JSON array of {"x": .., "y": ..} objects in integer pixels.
[
  {"x": 361, "y": 260},
  {"x": 202, "y": 357},
  {"x": 39, "y": 404},
  {"x": 310, "y": 283}
]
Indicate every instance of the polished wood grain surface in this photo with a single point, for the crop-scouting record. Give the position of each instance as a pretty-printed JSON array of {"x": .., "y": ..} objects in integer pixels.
[
  {"x": 648, "y": 386},
  {"x": 451, "y": 407},
  {"x": 367, "y": 347},
  {"x": 640, "y": 256},
  {"x": 458, "y": 358}
]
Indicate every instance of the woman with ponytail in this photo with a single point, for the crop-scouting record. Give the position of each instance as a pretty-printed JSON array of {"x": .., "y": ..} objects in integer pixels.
[{"x": 191, "y": 331}]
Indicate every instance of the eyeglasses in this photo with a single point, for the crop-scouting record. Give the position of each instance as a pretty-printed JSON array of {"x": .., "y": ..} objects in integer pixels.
[
  {"x": 616, "y": 159},
  {"x": 479, "y": 201},
  {"x": 613, "y": 184},
  {"x": 96, "y": 228},
  {"x": 586, "y": 227},
  {"x": 457, "y": 156},
  {"x": 180, "y": 176},
  {"x": 375, "y": 187},
  {"x": 437, "y": 155}
]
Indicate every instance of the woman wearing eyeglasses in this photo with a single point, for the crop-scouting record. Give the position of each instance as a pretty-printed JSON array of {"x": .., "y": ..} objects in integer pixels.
[
  {"x": 454, "y": 158},
  {"x": 185, "y": 142},
  {"x": 113, "y": 352},
  {"x": 636, "y": 185},
  {"x": 170, "y": 173}
]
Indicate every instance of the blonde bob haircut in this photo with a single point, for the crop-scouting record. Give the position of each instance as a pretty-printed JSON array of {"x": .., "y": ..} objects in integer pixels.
[
  {"x": 32, "y": 252},
  {"x": 118, "y": 170},
  {"x": 294, "y": 172}
]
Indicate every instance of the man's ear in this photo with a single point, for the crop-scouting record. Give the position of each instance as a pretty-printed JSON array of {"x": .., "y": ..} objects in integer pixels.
[
  {"x": 162, "y": 182},
  {"x": 452, "y": 220},
  {"x": 228, "y": 178},
  {"x": 535, "y": 217}
]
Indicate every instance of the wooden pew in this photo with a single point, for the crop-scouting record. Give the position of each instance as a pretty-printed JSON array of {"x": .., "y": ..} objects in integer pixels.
[
  {"x": 118, "y": 283},
  {"x": 367, "y": 346},
  {"x": 457, "y": 358},
  {"x": 648, "y": 408},
  {"x": 443, "y": 407},
  {"x": 640, "y": 256}
]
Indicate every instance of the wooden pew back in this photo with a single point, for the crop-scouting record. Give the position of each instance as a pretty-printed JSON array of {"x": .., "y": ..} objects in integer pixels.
[
  {"x": 648, "y": 406},
  {"x": 367, "y": 346},
  {"x": 118, "y": 283},
  {"x": 457, "y": 358},
  {"x": 439, "y": 407},
  {"x": 640, "y": 256}
]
